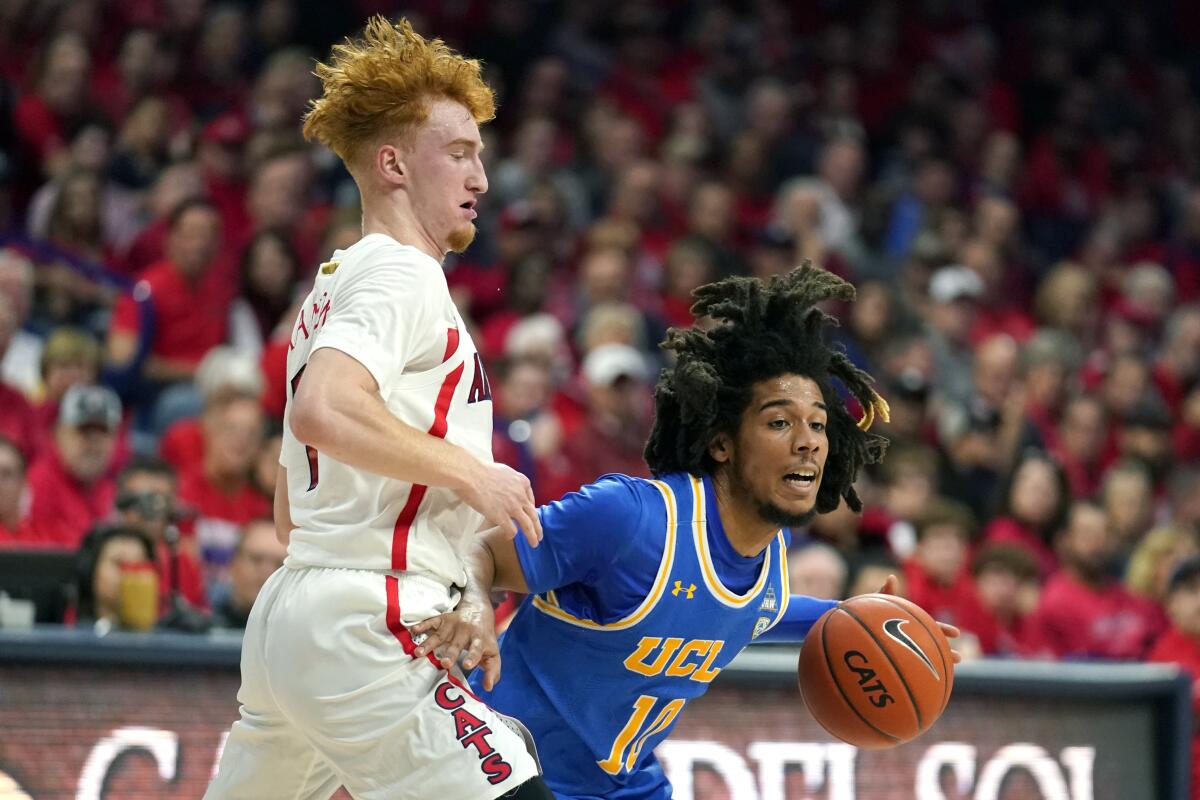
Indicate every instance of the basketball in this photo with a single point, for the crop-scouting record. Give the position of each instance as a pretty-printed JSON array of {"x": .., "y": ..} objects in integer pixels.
[{"x": 876, "y": 671}]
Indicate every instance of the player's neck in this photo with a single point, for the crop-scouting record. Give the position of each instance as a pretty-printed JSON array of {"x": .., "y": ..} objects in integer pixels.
[
  {"x": 746, "y": 530},
  {"x": 389, "y": 219}
]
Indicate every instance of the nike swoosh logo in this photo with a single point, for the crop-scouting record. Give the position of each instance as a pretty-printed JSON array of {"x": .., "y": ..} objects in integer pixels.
[{"x": 892, "y": 628}]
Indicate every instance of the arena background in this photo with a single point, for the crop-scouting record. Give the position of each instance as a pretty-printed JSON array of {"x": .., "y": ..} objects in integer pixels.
[{"x": 1014, "y": 188}]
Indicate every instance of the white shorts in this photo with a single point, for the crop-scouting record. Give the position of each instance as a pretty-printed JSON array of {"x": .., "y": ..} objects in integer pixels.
[{"x": 332, "y": 696}]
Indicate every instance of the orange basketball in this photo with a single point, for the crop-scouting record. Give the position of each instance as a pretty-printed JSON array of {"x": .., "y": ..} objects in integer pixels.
[{"x": 876, "y": 671}]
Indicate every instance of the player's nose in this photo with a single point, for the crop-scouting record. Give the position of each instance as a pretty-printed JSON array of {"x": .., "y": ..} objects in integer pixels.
[{"x": 477, "y": 181}]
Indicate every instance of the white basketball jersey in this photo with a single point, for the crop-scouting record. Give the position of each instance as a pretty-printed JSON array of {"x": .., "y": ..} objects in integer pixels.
[{"x": 387, "y": 305}]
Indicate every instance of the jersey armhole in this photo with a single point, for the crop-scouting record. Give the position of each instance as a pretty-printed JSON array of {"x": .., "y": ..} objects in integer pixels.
[{"x": 548, "y": 601}]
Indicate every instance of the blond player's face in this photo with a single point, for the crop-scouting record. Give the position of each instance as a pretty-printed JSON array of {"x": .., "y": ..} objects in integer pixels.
[{"x": 445, "y": 174}]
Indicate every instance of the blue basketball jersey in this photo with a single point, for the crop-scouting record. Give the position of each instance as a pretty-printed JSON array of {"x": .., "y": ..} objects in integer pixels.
[{"x": 599, "y": 694}]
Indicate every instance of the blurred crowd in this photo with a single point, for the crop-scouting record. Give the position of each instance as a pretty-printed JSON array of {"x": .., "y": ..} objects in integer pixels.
[{"x": 1014, "y": 189}]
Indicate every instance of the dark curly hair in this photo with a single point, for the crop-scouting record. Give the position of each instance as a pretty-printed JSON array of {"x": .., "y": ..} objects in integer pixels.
[{"x": 764, "y": 330}]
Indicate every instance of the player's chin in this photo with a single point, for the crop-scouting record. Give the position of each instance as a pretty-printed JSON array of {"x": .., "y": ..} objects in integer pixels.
[{"x": 460, "y": 238}]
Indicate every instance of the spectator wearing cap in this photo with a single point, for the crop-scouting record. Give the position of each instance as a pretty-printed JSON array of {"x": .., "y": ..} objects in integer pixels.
[
  {"x": 18, "y": 422},
  {"x": 13, "y": 528},
  {"x": 258, "y": 555},
  {"x": 221, "y": 164},
  {"x": 614, "y": 432},
  {"x": 177, "y": 311},
  {"x": 1086, "y": 613},
  {"x": 70, "y": 483},
  {"x": 953, "y": 293},
  {"x": 1180, "y": 645}
]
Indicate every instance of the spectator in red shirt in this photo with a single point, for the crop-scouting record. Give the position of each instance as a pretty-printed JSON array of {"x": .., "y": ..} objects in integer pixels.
[
  {"x": 1082, "y": 436},
  {"x": 1034, "y": 504},
  {"x": 1086, "y": 613},
  {"x": 259, "y": 553},
  {"x": 1178, "y": 364},
  {"x": 1180, "y": 645},
  {"x": 937, "y": 574},
  {"x": 70, "y": 484},
  {"x": 60, "y": 93},
  {"x": 189, "y": 309},
  {"x": 12, "y": 487},
  {"x": 220, "y": 489},
  {"x": 146, "y": 500},
  {"x": 18, "y": 421},
  {"x": 1007, "y": 584},
  {"x": 224, "y": 372}
]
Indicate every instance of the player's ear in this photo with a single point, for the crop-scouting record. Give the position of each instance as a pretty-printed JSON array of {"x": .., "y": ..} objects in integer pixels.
[
  {"x": 389, "y": 164},
  {"x": 721, "y": 448}
]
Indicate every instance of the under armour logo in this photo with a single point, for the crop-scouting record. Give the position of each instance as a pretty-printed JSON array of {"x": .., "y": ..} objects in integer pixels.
[{"x": 679, "y": 588}]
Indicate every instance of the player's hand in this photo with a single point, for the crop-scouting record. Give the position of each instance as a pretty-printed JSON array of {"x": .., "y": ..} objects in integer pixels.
[
  {"x": 505, "y": 499},
  {"x": 949, "y": 631},
  {"x": 471, "y": 629}
]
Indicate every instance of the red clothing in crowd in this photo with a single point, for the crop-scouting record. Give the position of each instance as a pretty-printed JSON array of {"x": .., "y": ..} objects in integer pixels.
[
  {"x": 182, "y": 446},
  {"x": 38, "y": 128},
  {"x": 1176, "y": 647},
  {"x": 220, "y": 516},
  {"x": 18, "y": 422},
  {"x": 187, "y": 572},
  {"x": 21, "y": 535},
  {"x": 1080, "y": 621},
  {"x": 63, "y": 509},
  {"x": 1006, "y": 530},
  {"x": 190, "y": 318},
  {"x": 956, "y": 603}
]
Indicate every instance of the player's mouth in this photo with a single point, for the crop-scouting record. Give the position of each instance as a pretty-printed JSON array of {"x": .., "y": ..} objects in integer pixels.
[
  {"x": 469, "y": 207},
  {"x": 802, "y": 480}
]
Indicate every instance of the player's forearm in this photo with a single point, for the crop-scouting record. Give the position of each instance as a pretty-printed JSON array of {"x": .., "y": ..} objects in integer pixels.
[
  {"x": 357, "y": 429},
  {"x": 800, "y": 615},
  {"x": 492, "y": 563}
]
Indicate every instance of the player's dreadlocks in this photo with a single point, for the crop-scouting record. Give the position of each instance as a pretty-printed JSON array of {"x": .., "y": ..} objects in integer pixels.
[{"x": 764, "y": 330}]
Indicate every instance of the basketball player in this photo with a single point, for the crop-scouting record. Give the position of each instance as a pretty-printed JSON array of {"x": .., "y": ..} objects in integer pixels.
[
  {"x": 386, "y": 465},
  {"x": 643, "y": 590}
]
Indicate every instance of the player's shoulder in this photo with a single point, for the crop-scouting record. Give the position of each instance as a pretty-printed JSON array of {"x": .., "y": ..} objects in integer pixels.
[{"x": 377, "y": 255}]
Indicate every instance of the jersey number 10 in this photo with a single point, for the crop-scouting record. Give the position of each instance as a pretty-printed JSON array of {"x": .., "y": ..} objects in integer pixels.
[{"x": 636, "y": 731}]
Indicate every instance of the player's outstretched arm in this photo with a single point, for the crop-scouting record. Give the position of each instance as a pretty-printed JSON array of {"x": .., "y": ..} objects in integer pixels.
[
  {"x": 470, "y": 629},
  {"x": 337, "y": 410}
]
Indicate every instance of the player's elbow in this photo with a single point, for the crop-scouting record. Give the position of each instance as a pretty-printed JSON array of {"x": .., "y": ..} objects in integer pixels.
[{"x": 311, "y": 418}]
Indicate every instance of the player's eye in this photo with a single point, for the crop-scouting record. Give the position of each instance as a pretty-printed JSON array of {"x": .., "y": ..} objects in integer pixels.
[
  {"x": 778, "y": 424},
  {"x": 458, "y": 156},
  {"x": 817, "y": 426}
]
